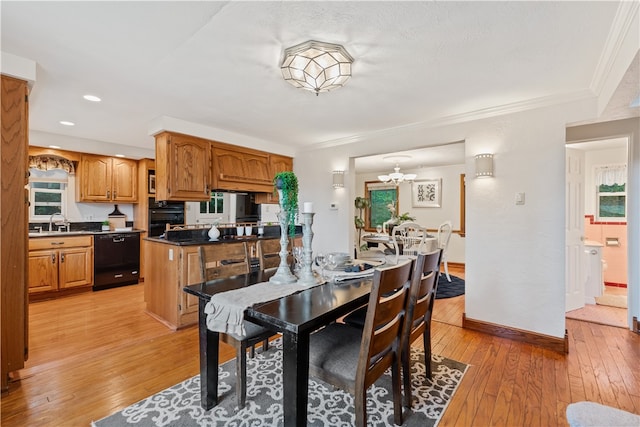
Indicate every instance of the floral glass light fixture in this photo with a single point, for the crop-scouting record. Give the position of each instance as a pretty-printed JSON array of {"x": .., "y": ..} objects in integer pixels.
[
  {"x": 396, "y": 176},
  {"x": 316, "y": 66}
]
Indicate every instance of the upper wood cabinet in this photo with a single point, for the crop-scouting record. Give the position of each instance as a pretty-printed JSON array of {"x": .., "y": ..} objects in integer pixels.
[
  {"x": 240, "y": 170},
  {"x": 107, "y": 179},
  {"x": 183, "y": 165},
  {"x": 277, "y": 164}
]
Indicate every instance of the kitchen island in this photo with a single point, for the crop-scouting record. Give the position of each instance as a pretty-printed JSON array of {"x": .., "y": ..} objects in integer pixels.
[{"x": 173, "y": 263}]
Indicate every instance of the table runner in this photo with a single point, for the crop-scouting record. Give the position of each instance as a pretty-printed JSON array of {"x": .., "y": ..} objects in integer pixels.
[{"x": 225, "y": 310}]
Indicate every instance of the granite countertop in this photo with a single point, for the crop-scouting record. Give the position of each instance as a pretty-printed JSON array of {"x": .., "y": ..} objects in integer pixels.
[
  {"x": 37, "y": 234},
  {"x": 203, "y": 241}
]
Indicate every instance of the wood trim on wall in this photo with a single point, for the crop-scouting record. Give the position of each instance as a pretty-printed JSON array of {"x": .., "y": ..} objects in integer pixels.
[{"x": 560, "y": 345}]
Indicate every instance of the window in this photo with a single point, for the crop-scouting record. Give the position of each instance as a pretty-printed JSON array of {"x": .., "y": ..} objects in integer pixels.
[
  {"x": 611, "y": 193},
  {"x": 214, "y": 206},
  {"x": 47, "y": 193},
  {"x": 612, "y": 202},
  {"x": 381, "y": 195}
]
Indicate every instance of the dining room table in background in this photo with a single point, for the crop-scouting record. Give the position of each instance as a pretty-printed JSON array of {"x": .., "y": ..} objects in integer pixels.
[
  {"x": 375, "y": 239},
  {"x": 295, "y": 316}
]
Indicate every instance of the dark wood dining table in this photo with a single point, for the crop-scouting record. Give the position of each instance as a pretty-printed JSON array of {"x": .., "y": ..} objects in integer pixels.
[{"x": 295, "y": 316}]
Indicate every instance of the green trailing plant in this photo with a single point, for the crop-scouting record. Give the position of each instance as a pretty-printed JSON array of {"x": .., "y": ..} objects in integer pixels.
[
  {"x": 288, "y": 183},
  {"x": 361, "y": 204}
]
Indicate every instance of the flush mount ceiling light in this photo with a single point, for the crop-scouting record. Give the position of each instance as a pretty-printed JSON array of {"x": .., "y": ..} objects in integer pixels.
[
  {"x": 316, "y": 66},
  {"x": 396, "y": 176}
]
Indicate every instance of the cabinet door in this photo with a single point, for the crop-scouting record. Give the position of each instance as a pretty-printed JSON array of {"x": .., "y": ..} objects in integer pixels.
[
  {"x": 75, "y": 267},
  {"x": 280, "y": 164},
  {"x": 124, "y": 180},
  {"x": 95, "y": 178},
  {"x": 239, "y": 170},
  {"x": 43, "y": 271},
  {"x": 190, "y": 275},
  {"x": 182, "y": 168}
]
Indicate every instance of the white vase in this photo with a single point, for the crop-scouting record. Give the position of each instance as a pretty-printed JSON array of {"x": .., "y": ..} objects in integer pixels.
[{"x": 213, "y": 233}]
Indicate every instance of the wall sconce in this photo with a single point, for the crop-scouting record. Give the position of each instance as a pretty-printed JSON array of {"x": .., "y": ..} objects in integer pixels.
[
  {"x": 484, "y": 165},
  {"x": 338, "y": 179}
]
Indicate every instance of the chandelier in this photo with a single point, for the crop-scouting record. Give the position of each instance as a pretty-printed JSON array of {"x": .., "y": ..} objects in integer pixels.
[
  {"x": 397, "y": 177},
  {"x": 316, "y": 66}
]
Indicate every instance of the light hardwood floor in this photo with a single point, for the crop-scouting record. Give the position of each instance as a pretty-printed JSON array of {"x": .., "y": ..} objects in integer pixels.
[{"x": 96, "y": 353}]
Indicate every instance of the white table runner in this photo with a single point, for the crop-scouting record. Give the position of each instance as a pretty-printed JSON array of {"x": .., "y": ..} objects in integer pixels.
[{"x": 225, "y": 310}]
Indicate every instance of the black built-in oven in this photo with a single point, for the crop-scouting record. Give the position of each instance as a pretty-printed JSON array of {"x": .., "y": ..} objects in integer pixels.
[{"x": 162, "y": 213}]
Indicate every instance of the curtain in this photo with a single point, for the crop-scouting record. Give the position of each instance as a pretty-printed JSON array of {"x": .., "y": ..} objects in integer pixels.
[
  {"x": 47, "y": 162},
  {"x": 609, "y": 175}
]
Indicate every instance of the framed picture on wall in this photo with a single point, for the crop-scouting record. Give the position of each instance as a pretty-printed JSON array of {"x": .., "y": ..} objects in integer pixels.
[
  {"x": 152, "y": 183},
  {"x": 426, "y": 193}
]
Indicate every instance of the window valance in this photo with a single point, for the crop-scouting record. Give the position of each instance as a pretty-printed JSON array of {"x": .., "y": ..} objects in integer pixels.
[
  {"x": 47, "y": 162},
  {"x": 609, "y": 175}
]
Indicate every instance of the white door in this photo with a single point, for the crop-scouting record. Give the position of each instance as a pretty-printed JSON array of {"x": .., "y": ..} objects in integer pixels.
[{"x": 574, "y": 230}]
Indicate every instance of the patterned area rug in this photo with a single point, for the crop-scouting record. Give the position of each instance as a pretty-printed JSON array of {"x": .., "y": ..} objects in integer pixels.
[
  {"x": 448, "y": 289},
  {"x": 180, "y": 405}
]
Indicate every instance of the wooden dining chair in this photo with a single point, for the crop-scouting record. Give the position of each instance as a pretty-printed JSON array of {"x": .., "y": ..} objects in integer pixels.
[
  {"x": 269, "y": 253},
  {"x": 353, "y": 358},
  {"x": 408, "y": 238},
  {"x": 224, "y": 260},
  {"x": 422, "y": 292}
]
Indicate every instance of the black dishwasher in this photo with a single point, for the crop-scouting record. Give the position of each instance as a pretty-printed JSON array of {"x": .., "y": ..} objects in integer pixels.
[{"x": 116, "y": 260}]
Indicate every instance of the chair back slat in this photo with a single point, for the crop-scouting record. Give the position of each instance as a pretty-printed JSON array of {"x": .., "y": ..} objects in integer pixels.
[{"x": 223, "y": 260}]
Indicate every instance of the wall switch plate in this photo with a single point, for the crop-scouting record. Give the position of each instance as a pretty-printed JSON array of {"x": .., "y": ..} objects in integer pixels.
[
  {"x": 333, "y": 206},
  {"x": 170, "y": 254},
  {"x": 519, "y": 198}
]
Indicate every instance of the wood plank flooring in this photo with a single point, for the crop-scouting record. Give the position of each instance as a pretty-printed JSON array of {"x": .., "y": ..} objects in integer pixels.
[{"x": 96, "y": 353}]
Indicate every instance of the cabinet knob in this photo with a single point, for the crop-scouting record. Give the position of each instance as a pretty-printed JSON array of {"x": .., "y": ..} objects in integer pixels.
[
  {"x": 108, "y": 194},
  {"x": 62, "y": 257},
  {"x": 53, "y": 258}
]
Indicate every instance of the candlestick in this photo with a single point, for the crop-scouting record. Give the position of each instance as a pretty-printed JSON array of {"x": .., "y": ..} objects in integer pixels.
[
  {"x": 306, "y": 274},
  {"x": 307, "y": 207},
  {"x": 283, "y": 274}
]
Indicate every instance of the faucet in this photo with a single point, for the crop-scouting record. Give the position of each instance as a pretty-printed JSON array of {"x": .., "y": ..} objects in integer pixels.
[{"x": 60, "y": 224}]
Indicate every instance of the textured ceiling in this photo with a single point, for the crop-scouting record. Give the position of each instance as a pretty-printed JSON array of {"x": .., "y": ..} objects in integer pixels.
[{"x": 217, "y": 63}]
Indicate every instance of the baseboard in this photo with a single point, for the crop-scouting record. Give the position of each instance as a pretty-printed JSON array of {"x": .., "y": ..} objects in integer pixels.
[
  {"x": 560, "y": 345},
  {"x": 636, "y": 325},
  {"x": 459, "y": 265}
]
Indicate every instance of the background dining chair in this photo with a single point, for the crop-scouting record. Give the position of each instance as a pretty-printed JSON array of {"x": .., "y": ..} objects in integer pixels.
[
  {"x": 268, "y": 252},
  {"x": 444, "y": 235},
  {"x": 408, "y": 238},
  {"x": 225, "y": 260},
  {"x": 353, "y": 358},
  {"x": 422, "y": 292}
]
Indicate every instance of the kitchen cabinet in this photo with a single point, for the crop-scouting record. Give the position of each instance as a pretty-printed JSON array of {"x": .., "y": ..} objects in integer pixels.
[
  {"x": 14, "y": 212},
  {"x": 107, "y": 179},
  {"x": 174, "y": 267},
  {"x": 58, "y": 264},
  {"x": 146, "y": 169},
  {"x": 241, "y": 170},
  {"x": 183, "y": 167},
  {"x": 277, "y": 164}
]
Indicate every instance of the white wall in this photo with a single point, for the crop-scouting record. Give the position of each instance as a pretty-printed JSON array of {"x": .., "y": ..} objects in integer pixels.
[
  {"x": 431, "y": 218},
  {"x": 514, "y": 255}
]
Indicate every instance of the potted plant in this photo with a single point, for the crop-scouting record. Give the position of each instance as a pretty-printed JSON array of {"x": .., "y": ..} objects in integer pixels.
[
  {"x": 361, "y": 204},
  {"x": 287, "y": 182},
  {"x": 105, "y": 225}
]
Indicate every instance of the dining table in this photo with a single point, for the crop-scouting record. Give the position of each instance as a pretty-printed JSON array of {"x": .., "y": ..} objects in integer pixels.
[
  {"x": 295, "y": 316},
  {"x": 431, "y": 241}
]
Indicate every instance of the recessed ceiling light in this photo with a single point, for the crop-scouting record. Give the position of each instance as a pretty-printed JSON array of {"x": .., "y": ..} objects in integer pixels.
[
  {"x": 67, "y": 123},
  {"x": 92, "y": 98},
  {"x": 119, "y": 155},
  {"x": 54, "y": 146}
]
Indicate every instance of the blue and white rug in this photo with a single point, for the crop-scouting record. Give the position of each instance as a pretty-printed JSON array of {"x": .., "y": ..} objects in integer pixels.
[{"x": 179, "y": 405}]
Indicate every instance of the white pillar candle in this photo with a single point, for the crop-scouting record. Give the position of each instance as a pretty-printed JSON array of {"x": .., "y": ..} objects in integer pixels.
[{"x": 307, "y": 207}]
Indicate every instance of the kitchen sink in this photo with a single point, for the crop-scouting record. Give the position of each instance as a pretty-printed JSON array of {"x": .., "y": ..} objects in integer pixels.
[{"x": 57, "y": 233}]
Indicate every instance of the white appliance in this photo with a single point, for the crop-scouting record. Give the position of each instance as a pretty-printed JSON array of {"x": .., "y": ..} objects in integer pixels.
[{"x": 594, "y": 283}]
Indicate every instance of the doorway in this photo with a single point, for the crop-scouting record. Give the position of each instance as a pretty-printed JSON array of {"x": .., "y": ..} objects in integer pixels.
[{"x": 601, "y": 272}]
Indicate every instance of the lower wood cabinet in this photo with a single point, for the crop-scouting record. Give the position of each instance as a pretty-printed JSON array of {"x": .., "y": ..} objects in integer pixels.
[
  {"x": 59, "y": 264},
  {"x": 169, "y": 268}
]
